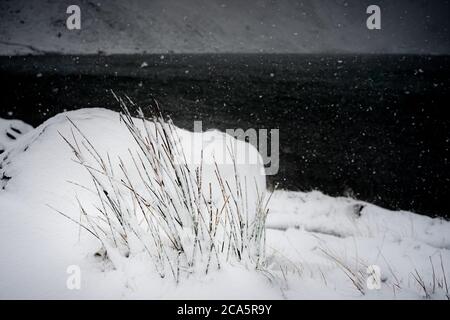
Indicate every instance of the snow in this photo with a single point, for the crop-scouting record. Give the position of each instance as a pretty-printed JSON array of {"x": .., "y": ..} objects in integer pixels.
[
  {"x": 10, "y": 130},
  {"x": 207, "y": 26},
  {"x": 316, "y": 244}
]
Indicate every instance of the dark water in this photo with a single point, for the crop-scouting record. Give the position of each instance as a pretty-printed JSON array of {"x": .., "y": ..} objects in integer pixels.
[{"x": 375, "y": 127}]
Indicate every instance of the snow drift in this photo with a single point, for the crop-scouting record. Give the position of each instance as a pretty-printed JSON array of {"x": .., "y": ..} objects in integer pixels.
[{"x": 316, "y": 246}]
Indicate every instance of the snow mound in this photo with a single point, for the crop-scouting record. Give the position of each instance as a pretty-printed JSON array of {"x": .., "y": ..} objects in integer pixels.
[
  {"x": 346, "y": 218},
  {"x": 317, "y": 246}
]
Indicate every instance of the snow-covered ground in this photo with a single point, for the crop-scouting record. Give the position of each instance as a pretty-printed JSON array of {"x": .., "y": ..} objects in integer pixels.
[
  {"x": 10, "y": 130},
  {"x": 225, "y": 26},
  {"x": 317, "y": 246}
]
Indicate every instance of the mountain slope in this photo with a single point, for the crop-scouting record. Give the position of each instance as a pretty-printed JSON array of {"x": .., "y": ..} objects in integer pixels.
[{"x": 207, "y": 26}]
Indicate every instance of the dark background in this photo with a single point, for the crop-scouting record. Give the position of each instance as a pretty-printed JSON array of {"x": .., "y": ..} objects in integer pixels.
[{"x": 375, "y": 127}]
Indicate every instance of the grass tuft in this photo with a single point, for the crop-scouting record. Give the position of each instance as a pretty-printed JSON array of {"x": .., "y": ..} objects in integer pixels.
[{"x": 159, "y": 205}]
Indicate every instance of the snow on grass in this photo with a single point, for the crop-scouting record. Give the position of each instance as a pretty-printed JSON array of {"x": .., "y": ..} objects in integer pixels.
[
  {"x": 316, "y": 246},
  {"x": 334, "y": 240},
  {"x": 185, "y": 216}
]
